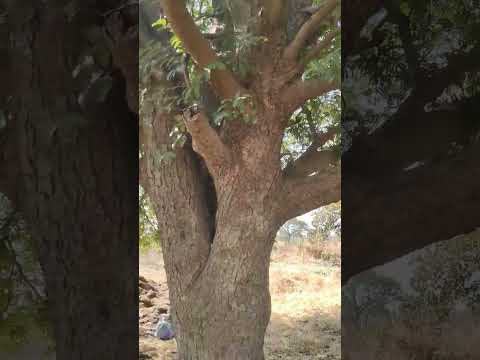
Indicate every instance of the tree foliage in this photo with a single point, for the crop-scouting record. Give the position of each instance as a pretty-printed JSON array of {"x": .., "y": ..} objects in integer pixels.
[
  {"x": 327, "y": 221},
  {"x": 294, "y": 230},
  {"x": 235, "y": 41},
  {"x": 148, "y": 226},
  {"x": 400, "y": 47}
]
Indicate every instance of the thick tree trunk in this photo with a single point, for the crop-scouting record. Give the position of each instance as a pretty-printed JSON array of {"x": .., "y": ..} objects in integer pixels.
[
  {"x": 226, "y": 313},
  {"x": 83, "y": 223},
  {"x": 217, "y": 266},
  {"x": 76, "y": 160}
]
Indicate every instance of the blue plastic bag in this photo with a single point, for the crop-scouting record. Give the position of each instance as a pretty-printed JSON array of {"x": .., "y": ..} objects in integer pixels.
[{"x": 164, "y": 330}]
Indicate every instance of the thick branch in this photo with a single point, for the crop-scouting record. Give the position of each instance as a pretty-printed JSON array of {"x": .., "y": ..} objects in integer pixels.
[
  {"x": 413, "y": 123},
  {"x": 396, "y": 211},
  {"x": 386, "y": 217},
  {"x": 313, "y": 160},
  {"x": 305, "y": 194},
  {"x": 301, "y": 91},
  {"x": 207, "y": 143},
  {"x": 199, "y": 48},
  {"x": 309, "y": 28}
]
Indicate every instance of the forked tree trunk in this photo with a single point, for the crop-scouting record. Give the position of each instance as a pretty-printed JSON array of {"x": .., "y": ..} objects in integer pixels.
[
  {"x": 217, "y": 239},
  {"x": 217, "y": 275},
  {"x": 226, "y": 313},
  {"x": 217, "y": 253}
]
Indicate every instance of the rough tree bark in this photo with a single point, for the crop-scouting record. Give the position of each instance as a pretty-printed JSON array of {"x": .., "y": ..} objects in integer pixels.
[
  {"x": 221, "y": 199},
  {"x": 69, "y": 157}
]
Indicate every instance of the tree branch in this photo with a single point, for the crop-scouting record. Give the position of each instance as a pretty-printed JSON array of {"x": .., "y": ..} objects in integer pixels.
[
  {"x": 309, "y": 28},
  {"x": 207, "y": 143},
  {"x": 411, "y": 121},
  {"x": 313, "y": 160},
  {"x": 376, "y": 179},
  {"x": 396, "y": 214},
  {"x": 303, "y": 194},
  {"x": 303, "y": 90},
  {"x": 320, "y": 47},
  {"x": 199, "y": 48}
]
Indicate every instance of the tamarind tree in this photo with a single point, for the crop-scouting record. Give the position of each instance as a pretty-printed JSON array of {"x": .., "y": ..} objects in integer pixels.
[{"x": 239, "y": 115}]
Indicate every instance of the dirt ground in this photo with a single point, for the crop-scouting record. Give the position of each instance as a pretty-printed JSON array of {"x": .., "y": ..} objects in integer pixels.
[{"x": 305, "y": 321}]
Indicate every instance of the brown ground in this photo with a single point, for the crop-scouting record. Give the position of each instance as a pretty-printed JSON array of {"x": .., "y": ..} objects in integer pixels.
[{"x": 305, "y": 322}]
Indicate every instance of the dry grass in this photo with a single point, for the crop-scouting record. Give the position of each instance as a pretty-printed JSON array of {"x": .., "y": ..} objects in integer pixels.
[
  {"x": 305, "y": 321},
  {"x": 309, "y": 252},
  {"x": 457, "y": 339},
  {"x": 405, "y": 337}
]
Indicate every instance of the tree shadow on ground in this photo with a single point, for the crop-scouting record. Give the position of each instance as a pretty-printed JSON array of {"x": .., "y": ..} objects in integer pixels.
[{"x": 314, "y": 335}]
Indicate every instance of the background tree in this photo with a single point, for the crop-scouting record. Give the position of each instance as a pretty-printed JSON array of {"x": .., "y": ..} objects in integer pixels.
[
  {"x": 326, "y": 221},
  {"x": 228, "y": 89},
  {"x": 148, "y": 227},
  {"x": 293, "y": 230},
  {"x": 410, "y": 118}
]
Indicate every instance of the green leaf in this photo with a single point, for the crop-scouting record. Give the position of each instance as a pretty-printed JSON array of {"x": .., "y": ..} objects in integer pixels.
[
  {"x": 176, "y": 43},
  {"x": 160, "y": 23}
]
